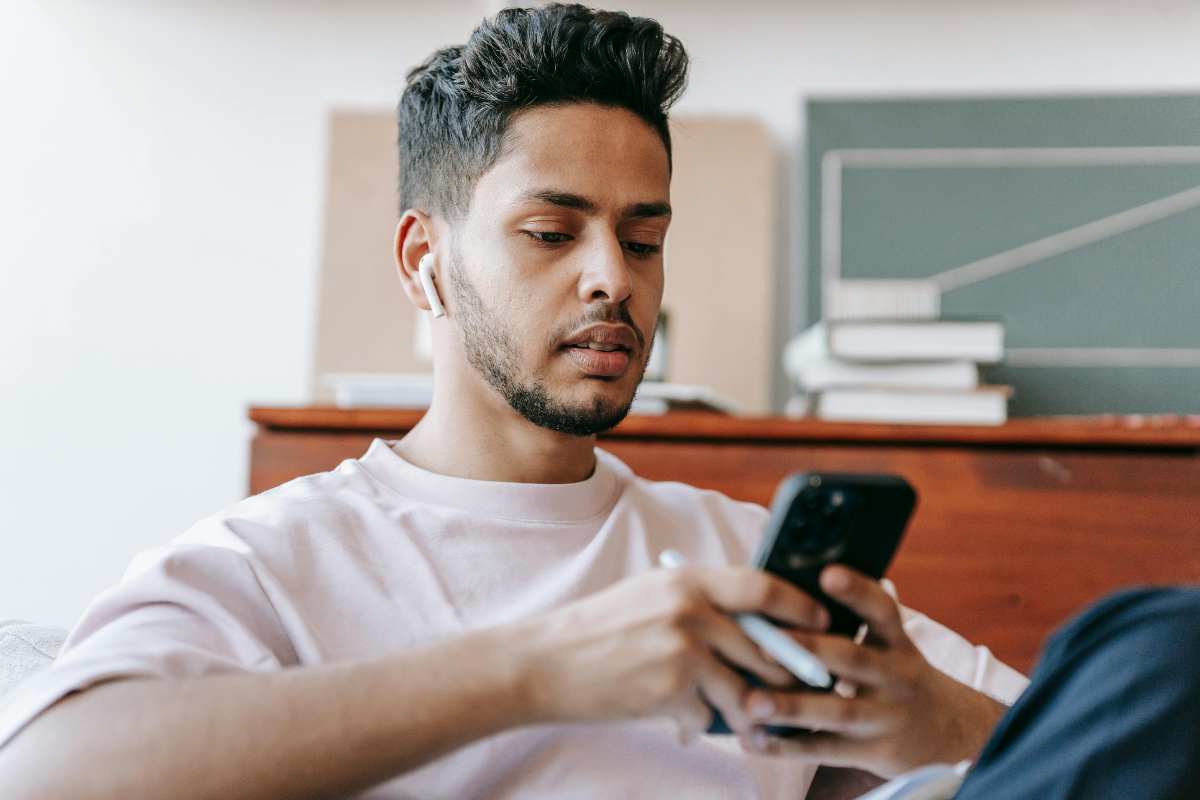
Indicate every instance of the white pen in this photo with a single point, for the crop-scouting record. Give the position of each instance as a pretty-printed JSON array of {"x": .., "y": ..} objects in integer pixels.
[{"x": 798, "y": 660}]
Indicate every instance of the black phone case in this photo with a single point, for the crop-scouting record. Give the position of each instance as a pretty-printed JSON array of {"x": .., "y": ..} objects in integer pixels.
[{"x": 823, "y": 518}]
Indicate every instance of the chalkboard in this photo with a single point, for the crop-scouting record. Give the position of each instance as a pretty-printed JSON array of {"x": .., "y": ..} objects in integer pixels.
[{"x": 1075, "y": 220}]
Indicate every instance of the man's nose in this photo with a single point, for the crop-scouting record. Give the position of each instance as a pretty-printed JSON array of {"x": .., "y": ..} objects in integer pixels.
[{"x": 606, "y": 275}]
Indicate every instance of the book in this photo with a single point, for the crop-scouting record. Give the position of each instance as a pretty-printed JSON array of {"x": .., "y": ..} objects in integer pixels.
[
  {"x": 822, "y": 374},
  {"x": 649, "y": 406},
  {"x": 380, "y": 390},
  {"x": 884, "y": 299},
  {"x": 917, "y": 340},
  {"x": 987, "y": 405},
  {"x": 657, "y": 397},
  {"x": 384, "y": 390},
  {"x": 807, "y": 361}
]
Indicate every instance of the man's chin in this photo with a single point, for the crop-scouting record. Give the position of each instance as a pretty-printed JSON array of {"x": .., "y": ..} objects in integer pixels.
[{"x": 575, "y": 417}]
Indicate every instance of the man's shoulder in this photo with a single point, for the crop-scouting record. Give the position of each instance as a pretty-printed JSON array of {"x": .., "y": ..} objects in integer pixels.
[{"x": 342, "y": 498}]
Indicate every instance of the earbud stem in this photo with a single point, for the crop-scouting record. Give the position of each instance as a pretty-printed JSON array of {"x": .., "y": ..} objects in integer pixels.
[{"x": 425, "y": 272}]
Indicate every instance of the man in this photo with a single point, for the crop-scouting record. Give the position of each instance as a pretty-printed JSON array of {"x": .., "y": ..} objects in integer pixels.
[{"x": 473, "y": 611}]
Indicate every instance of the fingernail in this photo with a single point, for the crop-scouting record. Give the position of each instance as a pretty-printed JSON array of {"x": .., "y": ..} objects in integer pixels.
[
  {"x": 821, "y": 619},
  {"x": 758, "y": 740},
  {"x": 761, "y": 707},
  {"x": 834, "y": 580}
]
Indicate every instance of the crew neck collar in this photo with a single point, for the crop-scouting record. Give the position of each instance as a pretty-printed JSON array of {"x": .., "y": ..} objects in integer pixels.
[{"x": 530, "y": 502}]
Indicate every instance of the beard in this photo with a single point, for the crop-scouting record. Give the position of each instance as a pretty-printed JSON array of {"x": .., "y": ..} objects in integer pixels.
[{"x": 492, "y": 349}]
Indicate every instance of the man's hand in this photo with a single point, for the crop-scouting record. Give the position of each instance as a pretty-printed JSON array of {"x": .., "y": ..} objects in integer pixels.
[
  {"x": 653, "y": 644},
  {"x": 905, "y": 712}
]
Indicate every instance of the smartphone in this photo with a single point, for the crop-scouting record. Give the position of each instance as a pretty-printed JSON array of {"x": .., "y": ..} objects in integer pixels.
[{"x": 822, "y": 518}]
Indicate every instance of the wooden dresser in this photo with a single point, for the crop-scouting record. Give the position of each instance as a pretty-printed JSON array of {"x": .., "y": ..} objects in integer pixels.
[{"x": 1017, "y": 527}]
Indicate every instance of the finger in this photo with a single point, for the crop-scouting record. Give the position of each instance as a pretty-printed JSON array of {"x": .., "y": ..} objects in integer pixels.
[
  {"x": 828, "y": 749},
  {"x": 853, "y": 717},
  {"x": 735, "y": 589},
  {"x": 864, "y": 665},
  {"x": 734, "y": 646},
  {"x": 868, "y": 599},
  {"x": 692, "y": 717},
  {"x": 722, "y": 687}
]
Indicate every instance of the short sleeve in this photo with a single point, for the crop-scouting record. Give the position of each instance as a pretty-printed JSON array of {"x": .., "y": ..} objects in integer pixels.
[
  {"x": 180, "y": 611},
  {"x": 974, "y": 665}
]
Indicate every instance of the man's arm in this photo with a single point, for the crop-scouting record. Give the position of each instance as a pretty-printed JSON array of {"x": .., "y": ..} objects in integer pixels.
[
  {"x": 301, "y": 733},
  {"x": 643, "y": 647}
]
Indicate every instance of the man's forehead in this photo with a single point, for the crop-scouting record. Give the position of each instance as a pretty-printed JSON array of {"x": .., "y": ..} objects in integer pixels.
[{"x": 607, "y": 156}]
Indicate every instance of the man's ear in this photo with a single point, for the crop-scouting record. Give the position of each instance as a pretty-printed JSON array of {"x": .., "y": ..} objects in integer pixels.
[{"x": 415, "y": 238}]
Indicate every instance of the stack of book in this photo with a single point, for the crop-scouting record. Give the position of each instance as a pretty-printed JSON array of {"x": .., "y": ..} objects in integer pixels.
[
  {"x": 380, "y": 390},
  {"x": 658, "y": 397},
  {"x": 919, "y": 371},
  {"x": 388, "y": 390}
]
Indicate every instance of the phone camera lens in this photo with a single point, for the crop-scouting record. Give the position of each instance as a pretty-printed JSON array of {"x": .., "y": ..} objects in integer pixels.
[
  {"x": 813, "y": 541},
  {"x": 829, "y": 537}
]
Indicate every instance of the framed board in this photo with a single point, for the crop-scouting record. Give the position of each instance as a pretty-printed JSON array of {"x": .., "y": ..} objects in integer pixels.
[{"x": 1075, "y": 220}]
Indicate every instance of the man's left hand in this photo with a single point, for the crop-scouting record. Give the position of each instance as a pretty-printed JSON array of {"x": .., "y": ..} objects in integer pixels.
[{"x": 905, "y": 712}]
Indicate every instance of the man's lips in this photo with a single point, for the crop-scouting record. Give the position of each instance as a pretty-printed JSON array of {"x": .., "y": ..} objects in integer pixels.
[
  {"x": 602, "y": 350},
  {"x": 609, "y": 364},
  {"x": 606, "y": 335}
]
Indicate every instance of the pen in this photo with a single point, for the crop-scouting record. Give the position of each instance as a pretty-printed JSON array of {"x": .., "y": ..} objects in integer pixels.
[{"x": 795, "y": 658}]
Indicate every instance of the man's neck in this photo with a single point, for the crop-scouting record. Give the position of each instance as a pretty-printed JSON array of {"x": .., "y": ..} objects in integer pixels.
[{"x": 466, "y": 435}]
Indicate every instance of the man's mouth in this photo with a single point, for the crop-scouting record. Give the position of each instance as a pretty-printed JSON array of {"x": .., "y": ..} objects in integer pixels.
[
  {"x": 597, "y": 362},
  {"x": 602, "y": 350}
]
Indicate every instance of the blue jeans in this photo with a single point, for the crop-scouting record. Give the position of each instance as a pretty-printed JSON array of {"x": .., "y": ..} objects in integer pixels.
[{"x": 1113, "y": 709}]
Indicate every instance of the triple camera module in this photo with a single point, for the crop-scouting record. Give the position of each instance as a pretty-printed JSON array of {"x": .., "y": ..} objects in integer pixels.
[{"x": 816, "y": 525}]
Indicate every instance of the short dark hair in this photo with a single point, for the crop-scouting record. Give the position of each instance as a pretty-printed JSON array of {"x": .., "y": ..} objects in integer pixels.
[{"x": 457, "y": 105}]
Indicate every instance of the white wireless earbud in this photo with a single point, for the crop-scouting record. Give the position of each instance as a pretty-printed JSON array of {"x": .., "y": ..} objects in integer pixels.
[{"x": 425, "y": 270}]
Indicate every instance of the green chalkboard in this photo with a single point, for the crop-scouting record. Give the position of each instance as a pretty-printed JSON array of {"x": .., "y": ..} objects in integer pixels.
[{"x": 1075, "y": 220}]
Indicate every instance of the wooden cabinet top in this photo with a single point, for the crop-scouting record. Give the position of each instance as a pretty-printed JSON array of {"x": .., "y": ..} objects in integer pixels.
[{"x": 1169, "y": 432}]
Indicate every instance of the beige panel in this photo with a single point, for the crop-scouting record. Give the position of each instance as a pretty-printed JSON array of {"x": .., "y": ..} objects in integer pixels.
[
  {"x": 719, "y": 257},
  {"x": 364, "y": 323}
]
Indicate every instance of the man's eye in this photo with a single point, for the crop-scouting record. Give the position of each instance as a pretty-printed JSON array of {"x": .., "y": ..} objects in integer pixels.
[
  {"x": 642, "y": 249},
  {"x": 548, "y": 237}
]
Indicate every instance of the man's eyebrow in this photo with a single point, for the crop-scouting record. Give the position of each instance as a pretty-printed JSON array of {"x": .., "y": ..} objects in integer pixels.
[
  {"x": 643, "y": 210},
  {"x": 580, "y": 203},
  {"x": 564, "y": 199}
]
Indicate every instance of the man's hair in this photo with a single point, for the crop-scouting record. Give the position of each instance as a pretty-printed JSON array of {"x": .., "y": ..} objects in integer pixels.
[{"x": 457, "y": 105}]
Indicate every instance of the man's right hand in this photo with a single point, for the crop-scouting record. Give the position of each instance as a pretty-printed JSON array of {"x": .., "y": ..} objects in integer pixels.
[{"x": 651, "y": 645}]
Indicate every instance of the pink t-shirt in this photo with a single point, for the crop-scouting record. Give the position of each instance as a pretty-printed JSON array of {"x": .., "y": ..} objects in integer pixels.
[{"x": 378, "y": 555}]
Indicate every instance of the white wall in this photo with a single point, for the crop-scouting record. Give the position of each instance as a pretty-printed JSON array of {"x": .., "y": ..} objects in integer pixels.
[{"x": 161, "y": 168}]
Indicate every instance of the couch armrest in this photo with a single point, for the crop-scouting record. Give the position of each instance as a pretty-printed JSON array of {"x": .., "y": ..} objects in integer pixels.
[{"x": 26, "y": 648}]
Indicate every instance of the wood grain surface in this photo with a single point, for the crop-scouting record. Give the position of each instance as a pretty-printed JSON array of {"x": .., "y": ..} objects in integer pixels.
[
  {"x": 1010, "y": 537},
  {"x": 1106, "y": 431}
]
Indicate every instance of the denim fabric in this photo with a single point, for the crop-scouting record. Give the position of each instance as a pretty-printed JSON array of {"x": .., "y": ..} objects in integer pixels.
[{"x": 1113, "y": 710}]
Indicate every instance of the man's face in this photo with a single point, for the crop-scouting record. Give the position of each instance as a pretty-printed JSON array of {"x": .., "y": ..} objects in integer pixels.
[{"x": 556, "y": 273}]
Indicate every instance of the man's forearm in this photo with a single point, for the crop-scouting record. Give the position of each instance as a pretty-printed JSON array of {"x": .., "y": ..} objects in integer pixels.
[{"x": 300, "y": 733}]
